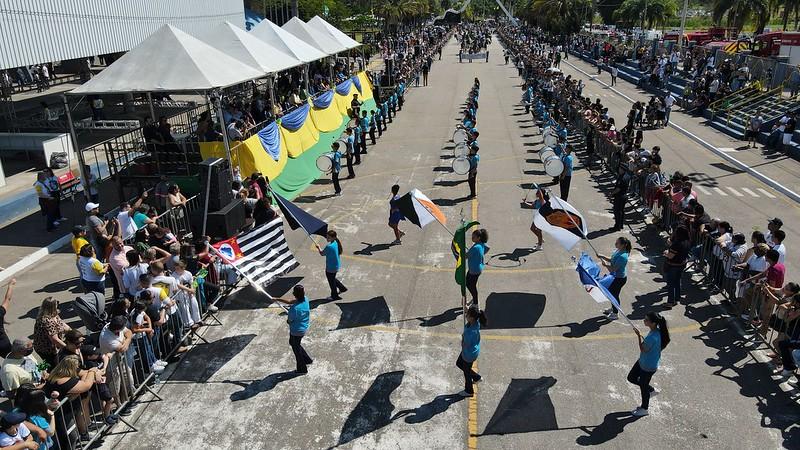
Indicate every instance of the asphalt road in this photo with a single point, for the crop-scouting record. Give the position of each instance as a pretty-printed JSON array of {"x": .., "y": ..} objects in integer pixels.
[{"x": 384, "y": 373}]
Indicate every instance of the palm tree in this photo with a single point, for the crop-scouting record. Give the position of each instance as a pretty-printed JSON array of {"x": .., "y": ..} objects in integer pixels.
[
  {"x": 738, "y": 12},
  {"x": 659, "y": 12},
  {"x": 559, "y": 16}
]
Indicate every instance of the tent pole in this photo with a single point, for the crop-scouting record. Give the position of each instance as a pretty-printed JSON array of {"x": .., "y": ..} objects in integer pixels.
[
  {"x": 224, "y": 130},
  {"x": 271, "y": 88},
  {"x": 208, "y": 191},
  {"x": 150, "y": 103},
  {"x": 305, "y": 75},
  {"x": 74, "y": 138}
]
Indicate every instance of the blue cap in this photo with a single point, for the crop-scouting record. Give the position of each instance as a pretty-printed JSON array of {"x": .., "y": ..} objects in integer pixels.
[{"x": 12, "y": 418}]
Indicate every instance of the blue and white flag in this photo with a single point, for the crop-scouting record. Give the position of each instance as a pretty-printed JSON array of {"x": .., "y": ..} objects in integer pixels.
[{"x": 595, "y": 285}]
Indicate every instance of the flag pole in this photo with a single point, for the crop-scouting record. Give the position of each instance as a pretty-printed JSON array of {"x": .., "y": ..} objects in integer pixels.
[
  {"x": 244, "y": 275},
  {"x": 303, "y": 227}
]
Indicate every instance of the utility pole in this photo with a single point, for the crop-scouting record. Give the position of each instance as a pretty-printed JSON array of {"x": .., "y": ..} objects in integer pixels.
[
  {"x": 683, "y": 24},
  {"x": 294, "y": 8},
  {"x": 644, "y": 18}
]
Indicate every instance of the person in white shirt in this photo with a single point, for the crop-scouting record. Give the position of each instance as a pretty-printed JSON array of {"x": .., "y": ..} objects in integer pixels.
[
  {"x": 131, "y": 274},
  {"x": 713, "y": 88},
  {"x": 188, "y": 307},
  {"x": 234, "y": 133},
  {"x": 669, "y": 100},
  {"x": 125, "y": 216},
  {"x": 776, "y": 242}
]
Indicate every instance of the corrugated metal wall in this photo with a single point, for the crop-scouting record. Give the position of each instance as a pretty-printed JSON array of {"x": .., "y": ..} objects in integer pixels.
[{"x": 39, "y": 31}]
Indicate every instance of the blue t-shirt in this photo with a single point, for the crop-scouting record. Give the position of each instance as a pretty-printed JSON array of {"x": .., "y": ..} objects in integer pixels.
[
  {"x": 475, "y": 258},
  {"x": 139, "y": 219},
  {"x": 619, "y": 260},
  {"x": 364, "y": 124},
  {"x": 651, "y": 354},
  {"x": 337, "y": 162},
  {"x": 299, "y": 317},
  {"x": 471, "y": 341},
  {"x": 332, "y": 260},
  {"x": 350, "y": 142},
  {"x": 558, "y": 149},
  {"x": 567, "y": 159},
  {"x": 473, "y": 161}
]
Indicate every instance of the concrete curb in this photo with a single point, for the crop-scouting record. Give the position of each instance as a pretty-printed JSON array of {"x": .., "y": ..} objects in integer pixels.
[
  {"x": 758, "y": 175},
  {"x": 34, "y": 257}
]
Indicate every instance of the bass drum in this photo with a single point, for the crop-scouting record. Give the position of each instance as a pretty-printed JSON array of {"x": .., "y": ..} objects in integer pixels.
[
  {"x": 459, "y": 136},
  {"x": 553, "y": 165},
  {"x": 546, "y": 153},
  {"x": 550, "y": 139},
  {"x": 325, "y": 162},
  {"x": 460, "y": 149},
  {"x": 461, "y": 165}
]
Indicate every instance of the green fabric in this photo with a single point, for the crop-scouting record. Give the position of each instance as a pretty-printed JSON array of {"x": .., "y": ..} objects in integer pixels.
[
  {"x": 459, "y": 248},
  {"x": 300, "y": 172}
]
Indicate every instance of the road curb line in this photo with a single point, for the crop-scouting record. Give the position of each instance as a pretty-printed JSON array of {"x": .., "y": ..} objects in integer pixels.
[{"x": 34, "y": 257}]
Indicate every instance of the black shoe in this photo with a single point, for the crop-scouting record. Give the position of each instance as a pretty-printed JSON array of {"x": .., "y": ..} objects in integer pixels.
[
  {"x": 309, "y": 362},
  {"x": 336, "y": 297},
  {"x": 343, "y": 290},
  {"x": 301, "y": 371}
]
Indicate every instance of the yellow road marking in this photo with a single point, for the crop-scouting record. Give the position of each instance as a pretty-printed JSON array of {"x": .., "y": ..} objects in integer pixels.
[
  {"x": 472, "y": 404},
  {"x": 424, "y": 268}
]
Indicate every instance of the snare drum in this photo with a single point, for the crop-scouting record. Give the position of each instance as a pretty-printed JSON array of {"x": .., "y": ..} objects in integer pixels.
[
  {"x": 459, "y": 136},
  {"x": 550, "y": 140},
  {"x": 545, "y": 152},
  {"x": 325, "y": 162},
  {"x": 553, "y": 165},
  {"x": 461, "y": 165},
  {"x": 460, "y": 149}
]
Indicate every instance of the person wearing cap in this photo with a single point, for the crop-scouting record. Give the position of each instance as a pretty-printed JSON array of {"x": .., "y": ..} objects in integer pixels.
[
  {"x": 19, "y": 367},
  {"x": 13, "y": 432},
  {"x": 298, "y": 319},
  {"x": 474, "y": 159},
  {"x": 96, "y": 229}
]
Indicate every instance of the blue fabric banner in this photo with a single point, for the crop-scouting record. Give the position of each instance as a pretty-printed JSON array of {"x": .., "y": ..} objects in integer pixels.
[
  {"x": 271, "y": 140},
  {"x": 295, "y": 119},
  {"x": 357, "y": 82},
  {"x": 343, "y": 88},
  {"x": 323, "y": 100}
]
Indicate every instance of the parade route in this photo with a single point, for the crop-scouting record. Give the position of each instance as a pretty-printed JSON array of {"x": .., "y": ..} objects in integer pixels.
[{"x": 554, "y": 368}]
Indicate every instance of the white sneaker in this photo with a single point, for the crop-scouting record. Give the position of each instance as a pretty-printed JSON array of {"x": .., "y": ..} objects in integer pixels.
[
  {"x": 465, "y": 394},
  {"x": 537, "y": 247},
  {"x": 155, "y": 368},
  {"x": 794, "y": 383},
  {"x": 639, "y": 412},
  {"x": 612, "y": 316},
  {"x": 212, "y": 308},
  {"x": 160, "y": 363}
]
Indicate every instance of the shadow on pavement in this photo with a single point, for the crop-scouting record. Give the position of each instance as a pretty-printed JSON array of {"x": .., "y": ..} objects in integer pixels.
[
  {"x": 374, "y": 410},
  {"x": 256, "y": 387},
  {"x": 203, "y": 361},
  {"x": 439, "y": 319},
  {"x": 526, "y": 407},
  {"x": 587, "y": 326},
  {"x": 364, "y": 313},
  {"x": 505, "y": 310},
  {"x": 612, "y": 426},
  {"x": 425, "y": 412}
]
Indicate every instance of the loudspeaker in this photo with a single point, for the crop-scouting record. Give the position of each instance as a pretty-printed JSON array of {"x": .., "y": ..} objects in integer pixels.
[
  {"x": 220, "y": 193},
  {"x": 221, "y": 224}
]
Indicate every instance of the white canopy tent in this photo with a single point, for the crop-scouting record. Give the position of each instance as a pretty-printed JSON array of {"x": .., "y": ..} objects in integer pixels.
[
  {"x": 313, "y": 37},
  {"x": 286, "y": 42},
  {"x": 319, "y": 24},
  {"x": 170, "y": 60},
  {"x": 249, "y": 49}
]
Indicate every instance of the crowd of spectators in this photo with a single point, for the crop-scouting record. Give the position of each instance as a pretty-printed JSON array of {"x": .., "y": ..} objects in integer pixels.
[{"x": 752, "y": 277}]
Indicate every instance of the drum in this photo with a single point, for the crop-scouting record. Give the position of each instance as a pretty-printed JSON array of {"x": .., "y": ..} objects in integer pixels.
[
  {"x": 550, "y": 140},
  {"x": 461, "y": 165},
  {"x": 460, "y": 149},
  {"x": 545, "y": 152},
  {"x": 460, "y": 136},
  {"x": 553, "y": 165},
  {"x": 325, "y": 162}
]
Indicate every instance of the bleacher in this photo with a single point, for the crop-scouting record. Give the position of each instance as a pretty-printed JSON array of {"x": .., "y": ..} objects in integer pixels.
[{"x": 729, "y": 114}]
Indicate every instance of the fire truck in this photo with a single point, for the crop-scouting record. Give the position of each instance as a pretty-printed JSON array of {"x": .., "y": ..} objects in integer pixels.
[
  {"x": 702, "y": 37},
  {"x": 780, "y": 44}
]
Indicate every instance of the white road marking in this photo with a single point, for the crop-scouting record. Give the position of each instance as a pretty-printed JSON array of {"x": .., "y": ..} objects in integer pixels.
[
  {"x": 735, "y": 192},
  {"x": 726, "y": 149},
  {"x": 750, "y": 192},
  {"x": 703, "y": 190},
  {"x": 720, "y": 192},
  {"x": 765, "y": 193}
]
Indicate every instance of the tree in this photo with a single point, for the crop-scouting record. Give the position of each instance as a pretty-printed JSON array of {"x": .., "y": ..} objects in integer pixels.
[
  {"x": 659, "y": 12},
  {"x": 559, "y": 16},
  {"x": 738, "y": 12},
  {"x": 606, "y": 9}
]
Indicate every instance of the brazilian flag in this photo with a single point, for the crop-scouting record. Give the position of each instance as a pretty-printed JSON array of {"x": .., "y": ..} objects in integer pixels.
[{"x": 459, "y": 248}]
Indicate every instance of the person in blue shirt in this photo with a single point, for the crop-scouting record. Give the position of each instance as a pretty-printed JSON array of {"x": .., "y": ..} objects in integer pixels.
[
  {"x": 364, "y": 125},
  {"x": 385, "y": 117},
  {"x": 566, "y": 175},
  {"x": 333, "y": 262},
  {"x": 393, "y": 104},
  {"x": 395, "y": 215},
  {"x": 299, "y": 317},
  {"x": 475, "y": 261},
  {"x": 336, "y": 158},
  {"x": 472, "y": 177},
  {"x": 470, "y": 347},
  {"x": 650, "y": 348},
  {"x": 616, "y": 266},
  {"x": 374, "y": 124},
  {"x": 348, "y": 151},
  {"x": 357, "y": 142}
]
